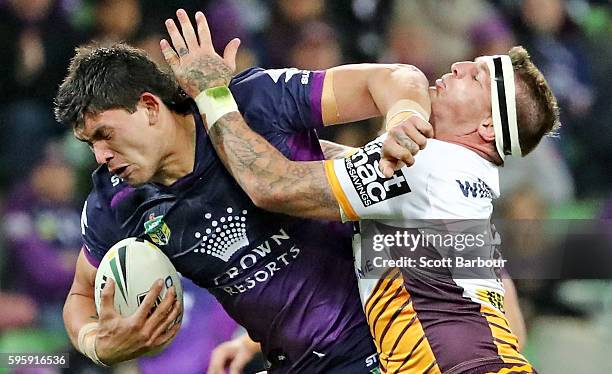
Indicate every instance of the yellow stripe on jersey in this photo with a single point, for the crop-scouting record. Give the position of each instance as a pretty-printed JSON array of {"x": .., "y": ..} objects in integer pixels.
[
  {"x": 524, "y": 369},
  {"x": 503, "y": 338},
  {"x": 329, "y": 108},
  {"x": 333, "y": 181},
  {"x": 398, "y": 334}
]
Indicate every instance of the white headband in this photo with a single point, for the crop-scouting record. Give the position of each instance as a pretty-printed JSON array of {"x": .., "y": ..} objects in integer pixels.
[{"x": 503, "y": 105}]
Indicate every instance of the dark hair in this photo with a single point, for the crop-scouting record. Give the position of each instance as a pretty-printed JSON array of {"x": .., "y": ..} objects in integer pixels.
[
  {"x": 536, "y": 106},
  {"x": 112, "y": 77}
]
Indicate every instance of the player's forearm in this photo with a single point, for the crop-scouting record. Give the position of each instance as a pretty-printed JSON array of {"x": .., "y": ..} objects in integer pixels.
[
  {"x": 79, "y": 310},
  {"x": 271, "y": 180},
  {"x": 368, "y": 90}
]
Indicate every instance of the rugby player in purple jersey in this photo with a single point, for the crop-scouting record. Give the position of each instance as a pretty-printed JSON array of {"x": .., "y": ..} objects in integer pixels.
[{"x": 288, "y": 281}]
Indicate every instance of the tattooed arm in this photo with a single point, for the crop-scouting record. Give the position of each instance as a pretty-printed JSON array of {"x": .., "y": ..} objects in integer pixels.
[{"x": 271, "y": 180}]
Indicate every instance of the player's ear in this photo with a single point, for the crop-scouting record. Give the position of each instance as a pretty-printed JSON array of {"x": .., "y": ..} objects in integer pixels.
[
  {"x": 486, "y": 130},
  {"x": 152, "y": 104}
]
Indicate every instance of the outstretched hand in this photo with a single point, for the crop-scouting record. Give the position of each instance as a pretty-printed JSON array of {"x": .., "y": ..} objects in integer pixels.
[{"x": 192, "y": 56}]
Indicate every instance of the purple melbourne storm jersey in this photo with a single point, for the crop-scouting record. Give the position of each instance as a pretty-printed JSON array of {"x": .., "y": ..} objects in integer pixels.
[{"x": 288, "y": 281}]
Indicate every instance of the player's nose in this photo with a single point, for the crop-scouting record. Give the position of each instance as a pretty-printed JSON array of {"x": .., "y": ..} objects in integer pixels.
[
  {"x": 103, "y": 155},
  {"x": 460, "y": 68}
]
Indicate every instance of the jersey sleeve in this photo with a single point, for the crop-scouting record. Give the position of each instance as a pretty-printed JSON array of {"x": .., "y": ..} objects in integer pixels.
[
  {"x": 279, "y": 100},
  {"x": 427, "y": 190},
  {"x": 97, "y": 230}
]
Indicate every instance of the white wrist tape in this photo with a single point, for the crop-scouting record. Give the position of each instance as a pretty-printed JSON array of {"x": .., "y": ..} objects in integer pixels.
[
  {"x": 214, "y": 103},
  {"x": 87, "y": 342},
  {"x": 409, "y": 107}
]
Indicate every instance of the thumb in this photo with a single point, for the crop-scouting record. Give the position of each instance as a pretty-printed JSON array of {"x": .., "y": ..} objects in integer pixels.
[
  {"x": 229, "y": 53},
  {"x": 387, "y": 167}
]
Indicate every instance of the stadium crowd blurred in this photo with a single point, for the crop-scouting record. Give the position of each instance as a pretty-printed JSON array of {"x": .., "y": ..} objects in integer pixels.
[{"x": 44, "y": 173}]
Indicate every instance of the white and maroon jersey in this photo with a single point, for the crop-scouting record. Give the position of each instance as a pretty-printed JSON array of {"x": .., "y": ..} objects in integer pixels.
[{"x": 426, "y": 321}]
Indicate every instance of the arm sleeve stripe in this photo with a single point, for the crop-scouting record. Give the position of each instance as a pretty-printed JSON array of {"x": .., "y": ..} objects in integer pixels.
[
  {"x": 90, "y": 258},
  {"x": 316, "y": 92},
  {"x": 329, "y": 108},
  {"x": 339, "y": 192}
]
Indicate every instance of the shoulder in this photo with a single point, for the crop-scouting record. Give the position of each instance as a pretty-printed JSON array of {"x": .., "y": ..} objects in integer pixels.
[
  {"x": 285, "y": 77},
  {"x": 460, "y": 183}
]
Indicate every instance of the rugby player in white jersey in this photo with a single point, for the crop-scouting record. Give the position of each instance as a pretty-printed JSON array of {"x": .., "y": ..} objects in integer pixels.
[{"x": 483, "y": 111}]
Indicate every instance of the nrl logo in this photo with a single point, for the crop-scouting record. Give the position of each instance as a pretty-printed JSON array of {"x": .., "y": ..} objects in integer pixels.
[{"x": 157, "y": 230}]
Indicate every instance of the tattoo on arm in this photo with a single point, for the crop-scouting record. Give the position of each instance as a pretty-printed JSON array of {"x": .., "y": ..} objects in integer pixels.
[
  {"x": 295, "y": 188},
  {"x": 333, "y": 151}
]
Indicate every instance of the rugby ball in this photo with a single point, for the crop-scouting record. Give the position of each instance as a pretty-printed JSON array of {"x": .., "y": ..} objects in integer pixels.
[{"x": 135, "y": 264}]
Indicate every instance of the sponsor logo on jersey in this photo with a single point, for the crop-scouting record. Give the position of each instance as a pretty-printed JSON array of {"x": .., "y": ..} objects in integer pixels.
[
  {"x": 368, "y": 181},
  {"x": 224, "y": 235},
  {"x": 259, "y": 264},
  {"x": 115, "y": 180},
  {"x": 478, "y": 189},
  {"x": 494, "y": 298},
  {"x": 372, "y": 360},
  {"x": 157, "y": 230}
]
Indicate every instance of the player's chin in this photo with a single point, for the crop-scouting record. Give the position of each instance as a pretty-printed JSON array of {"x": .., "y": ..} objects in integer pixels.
[{"x": 135, "y": 179}]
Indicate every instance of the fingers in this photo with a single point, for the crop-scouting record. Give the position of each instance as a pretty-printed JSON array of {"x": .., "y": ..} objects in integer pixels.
[
  {"x": 143, "y": 310},
  {"x": 159, "y": 321},
  {"x": 177, "y": 39},
  {"x": 169, "y": 322},
  {"x": 107, "y": 300},
  {"x": 409, "y": 136},
  {"x": 394, "y": 156},
  {"x": 169, "y": 54},
  {"x": 218, "y": 359},
  {"x": 188, "y": 32},
  {"x": 239, "y": 362},
  {"x": 398, "y": 143},
  {"x": 424, "y": 127},
  {"x": 229, "y": 54},
  {"x": 166, "y": 336},
  {"x": 203, "y": 30}
]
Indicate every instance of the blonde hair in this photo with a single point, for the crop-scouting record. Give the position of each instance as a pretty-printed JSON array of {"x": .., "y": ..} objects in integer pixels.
[{"x": 536, "y": 105}]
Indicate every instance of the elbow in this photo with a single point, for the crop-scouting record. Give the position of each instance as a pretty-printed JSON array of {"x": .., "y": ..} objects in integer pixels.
[
  {"x": 411, "y": 75},
  {"x": 261, "y": 198},
  {"x": 270, "y": 201}
]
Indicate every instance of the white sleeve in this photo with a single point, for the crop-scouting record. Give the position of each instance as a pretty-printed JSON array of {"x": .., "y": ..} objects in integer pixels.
[
  {"x": 362, "y": 190},
  {"x": 433, "y": 188}
]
